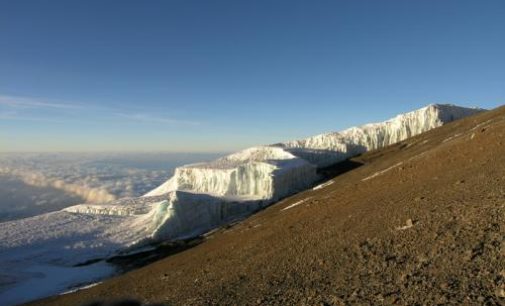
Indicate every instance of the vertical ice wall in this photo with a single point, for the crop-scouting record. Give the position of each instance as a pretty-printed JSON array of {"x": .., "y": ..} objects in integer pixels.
[
  {"x": 271, "y": 172},
  {"x": 257, "y": 173},
  {"x": 326, "y": 149},
  {"x": 268, "y": 173}
]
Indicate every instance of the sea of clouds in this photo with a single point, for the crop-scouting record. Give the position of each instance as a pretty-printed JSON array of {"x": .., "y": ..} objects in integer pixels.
[{"x": 64, "y": 179}]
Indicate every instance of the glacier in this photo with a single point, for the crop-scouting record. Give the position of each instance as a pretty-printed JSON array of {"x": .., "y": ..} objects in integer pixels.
[
  {"x": 196, "y": 199},
  {"x": 326, "y": 149},
  {"x": 255, "y": 173}
]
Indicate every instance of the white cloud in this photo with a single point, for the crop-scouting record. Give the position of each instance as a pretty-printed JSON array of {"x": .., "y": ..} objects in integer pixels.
[
  {"x": 24, "y": 108},
  {"x": 25, "y": 102},
  {"x": 14, "y": 115},
  {"x": 154, "y": 119}
]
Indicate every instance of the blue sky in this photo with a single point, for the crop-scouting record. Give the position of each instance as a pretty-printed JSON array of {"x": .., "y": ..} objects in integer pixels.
[{"x": 223, "y": 75}]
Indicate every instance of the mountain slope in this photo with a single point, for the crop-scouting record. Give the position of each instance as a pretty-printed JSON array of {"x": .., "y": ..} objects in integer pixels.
[
  {"x": 421, "y": 222},
  {"x": 198, "y": 198}
]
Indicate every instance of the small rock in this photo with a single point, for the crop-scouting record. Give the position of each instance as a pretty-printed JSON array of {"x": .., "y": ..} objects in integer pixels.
[
  {"x": 467, "y": 255},
  {"x": 500, "y": 292},
  {"x": 408, "y": 224}
]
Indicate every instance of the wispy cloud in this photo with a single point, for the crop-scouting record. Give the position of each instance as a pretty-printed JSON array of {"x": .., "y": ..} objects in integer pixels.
[
  {"x": 25, "y": 102},
  {"x": 15, "y": 116},
  {"x": 155, "y": 119},
  {"x": 30, "y": 109}
]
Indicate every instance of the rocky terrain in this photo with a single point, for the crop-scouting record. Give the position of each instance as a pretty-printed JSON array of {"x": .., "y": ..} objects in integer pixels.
[{"x": 421, "y": 222}]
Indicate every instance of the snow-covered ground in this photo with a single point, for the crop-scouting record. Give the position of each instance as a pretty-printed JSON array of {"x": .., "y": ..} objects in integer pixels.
[
  {"x": 198, "y": 198},
  {"x": 43, "y": 251},
  {"x": 39, "y": 281}
]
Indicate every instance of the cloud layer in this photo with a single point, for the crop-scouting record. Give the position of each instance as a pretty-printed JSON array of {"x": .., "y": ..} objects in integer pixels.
[
  {"x": 32, "y": 184},
  {"x": 85, "y": 175}
]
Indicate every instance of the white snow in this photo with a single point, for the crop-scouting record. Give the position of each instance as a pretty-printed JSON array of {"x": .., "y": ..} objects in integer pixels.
[
  {"x": 81, "y": 288},
  {"x": 296, "y": 203},
  {"x": 451, "y": 137},
  {"x": 258, "y": 172},
  {"x": 323, "y": 185},
  {"x": 326, "y": 149},
  {"x": 197, "y": 199},
  {"x": 42, "y": 280},
  {"x": 382, "y": 171}
]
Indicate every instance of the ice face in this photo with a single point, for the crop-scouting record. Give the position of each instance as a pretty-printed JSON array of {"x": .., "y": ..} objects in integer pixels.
[
  {"x": 271, "y": 172},
  {"x": 178, "y": 220},
  {"x": 326, "y": 149},
  {"x": 256, "y": 173}
]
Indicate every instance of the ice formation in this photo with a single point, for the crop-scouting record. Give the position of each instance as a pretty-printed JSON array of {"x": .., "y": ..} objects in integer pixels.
[
  {"x": 198, "y": 198},
  {"x": 266, "y": 173},
  {"x": 327, "y": 149}
]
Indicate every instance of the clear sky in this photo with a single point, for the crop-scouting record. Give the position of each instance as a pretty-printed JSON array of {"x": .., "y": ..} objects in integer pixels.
[{"x": 223, "y": 75}]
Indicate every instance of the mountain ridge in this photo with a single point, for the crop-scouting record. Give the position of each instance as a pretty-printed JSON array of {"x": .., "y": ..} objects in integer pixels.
[{"x": 420, "y": 223}]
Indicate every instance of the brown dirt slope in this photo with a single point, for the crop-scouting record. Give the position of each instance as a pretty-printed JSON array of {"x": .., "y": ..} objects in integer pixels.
[{"x": 421, "y": 223}]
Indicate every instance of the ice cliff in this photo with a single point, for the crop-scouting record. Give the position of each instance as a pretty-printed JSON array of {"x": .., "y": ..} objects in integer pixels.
[
  {"x": 274, "y": 171},
  {"x": 198, "y": 198},
  {"x": 266, "y": 173},
  {"x": 326, "y": 149}
]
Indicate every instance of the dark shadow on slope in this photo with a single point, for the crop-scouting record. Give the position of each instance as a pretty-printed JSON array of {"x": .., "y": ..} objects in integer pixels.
[
  {"x": 339, "y": 169},
  {"x": 162, "y": 250},
  {"x": 122, "y": 302},
  {"x": 139, "y": 259},
  {"x": 328, "y": 157}
]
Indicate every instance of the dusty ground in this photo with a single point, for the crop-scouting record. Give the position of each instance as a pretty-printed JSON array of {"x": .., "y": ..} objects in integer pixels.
[{"x": 421, "y": 223}]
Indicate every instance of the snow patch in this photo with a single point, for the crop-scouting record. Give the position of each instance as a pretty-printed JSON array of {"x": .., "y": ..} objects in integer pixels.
[
  {"x": 451, "y": 137},
  {"x": 81, "y": 288},
  {"x": 321, "y": 186},
  {"x": 381, "y": 172},
  {"x": 297, "y": 203}
]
